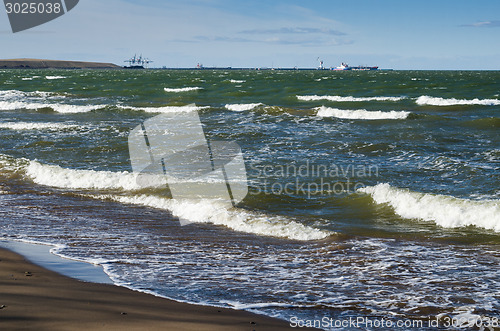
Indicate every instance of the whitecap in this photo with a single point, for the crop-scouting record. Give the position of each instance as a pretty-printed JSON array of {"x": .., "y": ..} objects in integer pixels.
[
  {"x": 57, "y": 107},
  {"x": 446, "y": 211},
  {"x": 360, "y": 114},
  {"x": 166, "y": 109},
  {"x": 56, "y": 176},
  {"x": 338, "y": 98},
  {"x": 54, "y": 77},
  {"x": 182, "y": 89},
  {"x": 37, "y": 126},
  {"x": 426, "y": 100},
  {"x": 214, "y": 212},
  {"x": 243, "y": 106}
]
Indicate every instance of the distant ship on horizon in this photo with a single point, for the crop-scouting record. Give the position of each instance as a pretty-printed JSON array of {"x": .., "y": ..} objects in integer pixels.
[
  {"x": 345, "y": 66},
  {"x": 137, "y": 62}
]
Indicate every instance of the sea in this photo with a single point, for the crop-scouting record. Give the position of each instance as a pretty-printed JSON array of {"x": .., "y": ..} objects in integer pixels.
[{"x": 373, "y": 196}]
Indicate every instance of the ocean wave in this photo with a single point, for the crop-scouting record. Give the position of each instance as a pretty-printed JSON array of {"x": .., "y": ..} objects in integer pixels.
[
  {"x": 338, "y": 98},
  {"x": 16, "y": 94},
  {"x": 426, "y": 100},
  {"x": 166, "y": 109},
  {"x": 37, "y": 126},
  {"x": 243, "y": 106},
  {"x": 196, "y": 211},
  {"x": 54, "y": 77},
  {"x": 236, "y": 81},
  {"x": 56, "y": 176},
  {"x": 210, "y": 211},
  {"x": 11, "y": 164},
  {"x": 57, "y": 107},
  {"x": 182, "y": 89},
  {"x": 360, "y": 114},
  {"x": 446, "y": 211}
]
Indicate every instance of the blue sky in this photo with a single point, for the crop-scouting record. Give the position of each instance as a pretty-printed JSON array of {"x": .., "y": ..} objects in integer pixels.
[{"x": 399, "y": 34}]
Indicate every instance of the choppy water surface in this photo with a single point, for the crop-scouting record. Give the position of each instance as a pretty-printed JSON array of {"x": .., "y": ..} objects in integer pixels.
[{"x": 371, "y": 194}]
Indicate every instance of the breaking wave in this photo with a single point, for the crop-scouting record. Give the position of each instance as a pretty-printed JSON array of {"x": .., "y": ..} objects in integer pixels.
[
  {"x": 57, "y": 107},
  {"x": 338, "y": 98},
  {"x": 446, "y": 211},
  {"x": 37, "y": 126},
  {"x": 360, "y": 114},
  {"x": 165, "y": 109},
  {"x": 56, "y": 176},
  {"x": 182, "y": 89},
  {"x": 243, "y": 106},
  {"x": 210, "y": 211},
  {"x": 426, "y": 100},
  {"x": 199, "y": 211},
  {"x": 14, "y": 100}
]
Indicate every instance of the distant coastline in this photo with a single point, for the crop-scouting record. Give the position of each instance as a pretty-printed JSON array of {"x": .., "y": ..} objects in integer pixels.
[
  {"x": 59, "y": 64},
  {"x": 53, "y": 64}
]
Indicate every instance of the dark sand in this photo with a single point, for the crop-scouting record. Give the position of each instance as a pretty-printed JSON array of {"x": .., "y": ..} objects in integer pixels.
[
  {"x": 34, "y": 298},
  {"x": 53, "y": 64}
]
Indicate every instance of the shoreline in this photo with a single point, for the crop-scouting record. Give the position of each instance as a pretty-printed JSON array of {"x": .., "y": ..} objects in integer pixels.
[{"x": 37, "y": 298}]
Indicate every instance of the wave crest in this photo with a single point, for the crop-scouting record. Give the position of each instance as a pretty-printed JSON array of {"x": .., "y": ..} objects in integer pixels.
[
  {"x": 338, "y": 98},
  {"x": 37, "y": 126},
  {"x": 209, "y": 211},
  {"x": 182, "y": 89},
  {"x": 446, "y": 211},
  {"x": 166, "y": 109},
  {"x": 56, "y": 176},
  {"x": 196, "y": 211},
  {"x": 243, "y": 106},
  {"x": 426, "y": 100},
  {"x": 360, "y": 114}
]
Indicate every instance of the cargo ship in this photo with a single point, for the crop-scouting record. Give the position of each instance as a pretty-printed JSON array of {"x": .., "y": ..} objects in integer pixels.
[{"x": 345, "y": 66}]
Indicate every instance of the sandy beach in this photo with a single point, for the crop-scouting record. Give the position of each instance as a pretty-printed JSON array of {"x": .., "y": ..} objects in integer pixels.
[{"x": 36, "y": 298}]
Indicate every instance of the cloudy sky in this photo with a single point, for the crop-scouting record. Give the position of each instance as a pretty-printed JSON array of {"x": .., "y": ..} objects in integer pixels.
[{"x": 399, "y": 34}]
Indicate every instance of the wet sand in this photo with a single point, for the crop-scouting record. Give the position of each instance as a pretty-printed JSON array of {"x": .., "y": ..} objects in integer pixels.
[{"x": 34, "y": 298}]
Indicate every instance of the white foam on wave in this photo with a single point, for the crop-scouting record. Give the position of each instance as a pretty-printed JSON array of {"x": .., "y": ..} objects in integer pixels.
[
  {"x": 65, "y": 108},
  {"x": 338, "y": 98},
  {"x": 14, "y": 100},
  {"x": 360, "y": 114},
  {"x": 197, "y": 211},
  {"x": 37, "y": 126},
  {"x": 30, "y": 78},
  {"x": 166, "y": 109},
  {"x": 57, "y": 107},
  {"x": 426, "y": 100},
  {"x": 210, "y": 211},
  {"x": 243, "y": 106},
  {"x": 16, "y": 94},
  {"x": 446, "y": 211},
  {"x": 182, "y": 89},
  {"x": 56, "y": 176},
  {"x": 54, "y": 77},
  {"x": 236, "y": 81}
]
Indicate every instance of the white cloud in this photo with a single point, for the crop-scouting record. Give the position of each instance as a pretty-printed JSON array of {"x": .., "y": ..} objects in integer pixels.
[{"x": 484, "y": 24}]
